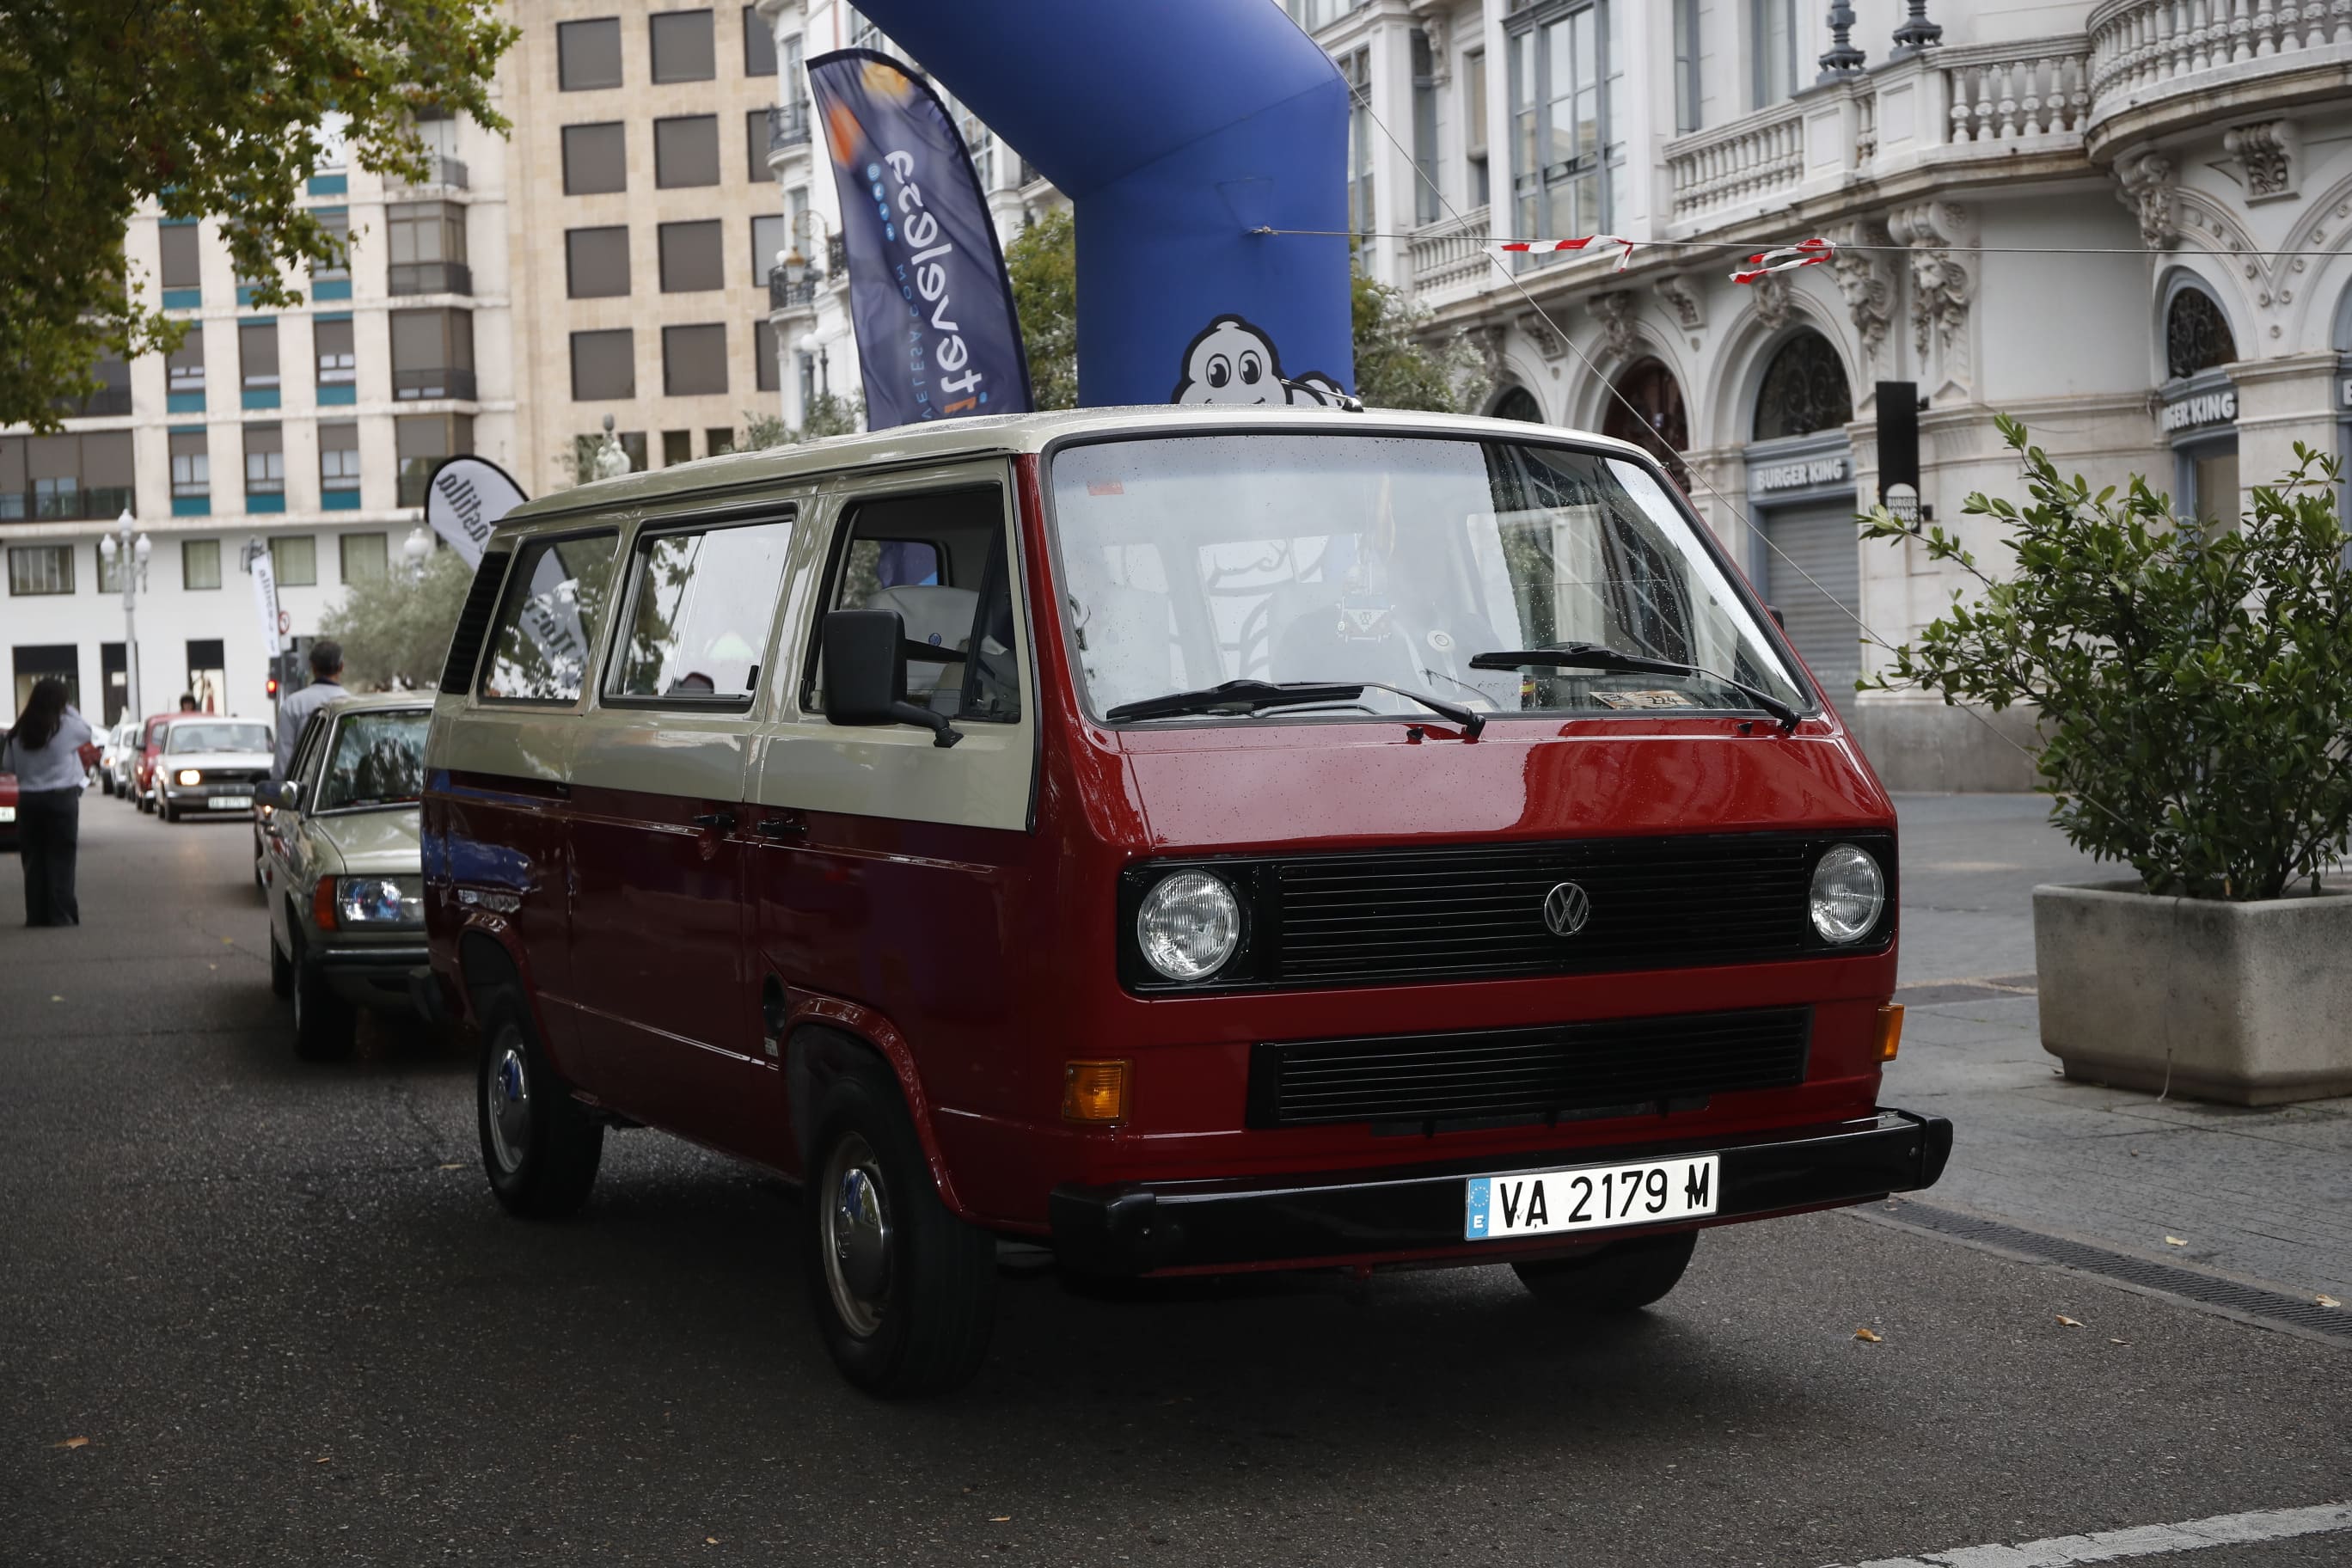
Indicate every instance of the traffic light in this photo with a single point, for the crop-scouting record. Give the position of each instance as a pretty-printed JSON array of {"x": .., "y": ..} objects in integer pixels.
[{"x": 274, "y": 663}]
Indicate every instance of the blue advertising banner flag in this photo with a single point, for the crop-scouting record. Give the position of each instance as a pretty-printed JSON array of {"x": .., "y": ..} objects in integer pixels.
[{"x": 937, "y": 336}]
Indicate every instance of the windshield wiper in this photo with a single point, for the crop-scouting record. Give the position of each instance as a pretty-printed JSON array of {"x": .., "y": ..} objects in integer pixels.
[
  {"x": 1594, "y": 656},
  {"x": 1249, "y": 696}
]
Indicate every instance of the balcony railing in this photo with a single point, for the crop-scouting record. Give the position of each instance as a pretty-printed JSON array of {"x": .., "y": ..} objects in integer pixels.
[
  {"x": 92, "y": 503},
  {"x": 408, "y": 384},
  {"x": 788, "y": 126},
  {"x": 2149, "y": 50},
  {"x": 1744, "y": 163},
  {"x": 785, "y": 295},
  {"x": 836, "y": 257},
  {"x": 440, "y": 171},
  {"x": 429, "y": 277},
  {"x": 1452, "y": 254}
]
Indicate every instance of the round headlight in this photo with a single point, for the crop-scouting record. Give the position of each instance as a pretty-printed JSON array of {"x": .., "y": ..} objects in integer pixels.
[
  {"x": 191, "y": 776},
  {"x": 1848, "y": 892},
  {"x": 1189, "y": 925}
]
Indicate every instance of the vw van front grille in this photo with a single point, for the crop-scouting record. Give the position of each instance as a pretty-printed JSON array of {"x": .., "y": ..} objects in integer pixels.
[{"x": 1634, "y": 1065}]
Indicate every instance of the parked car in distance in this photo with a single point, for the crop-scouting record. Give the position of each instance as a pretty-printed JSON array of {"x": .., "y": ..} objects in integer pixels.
[
  {"x": 1195, "y": 840},
  {"x": 7, "y": 814},
  {"x": 149, "y": 749},
  {"x": 210, "y": 767},
  {"x": 114, "y": 757},
  {"x": 340, "y": 866}
]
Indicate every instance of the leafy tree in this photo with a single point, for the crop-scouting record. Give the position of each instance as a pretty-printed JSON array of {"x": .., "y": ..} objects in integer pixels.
[
  {"x": 2194, "y": 683},
  {"x": 218, "y": 109},
  {"x": 830, "y": 414},
  {"x": 1397, "y": 367},
  {"x": 762, "y": 431},
  {"x": 396, "y": 628},
  {"x": 1043, "y": 262}
]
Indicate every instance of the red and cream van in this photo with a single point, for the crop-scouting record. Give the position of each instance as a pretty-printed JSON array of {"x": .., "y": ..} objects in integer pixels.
[{"x": 1191, "y": 841}]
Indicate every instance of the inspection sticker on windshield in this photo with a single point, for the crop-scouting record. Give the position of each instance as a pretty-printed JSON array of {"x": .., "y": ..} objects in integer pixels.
[
  {"x": 1590, "y": 1197},
  {"x": 1645, "y": 700}
]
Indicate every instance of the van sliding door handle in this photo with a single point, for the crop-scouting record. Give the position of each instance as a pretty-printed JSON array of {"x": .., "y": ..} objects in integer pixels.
[
  {"x": 781, "y": 826},
  {"x": 723, "y": 821}
]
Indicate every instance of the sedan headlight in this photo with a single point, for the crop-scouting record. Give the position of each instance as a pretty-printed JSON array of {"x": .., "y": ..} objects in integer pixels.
[
  {"x": 1189, "y": 925},
  {"x": 191, "y": 776},
  {"x": 379, "y": 901},
  {"x": 1849, "y": 891}
]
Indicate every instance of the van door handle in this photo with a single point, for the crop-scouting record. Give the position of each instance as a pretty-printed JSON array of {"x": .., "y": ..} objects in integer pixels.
[
  {"x": 723, "y": 821},
  {"x": 783, "y": 826}
]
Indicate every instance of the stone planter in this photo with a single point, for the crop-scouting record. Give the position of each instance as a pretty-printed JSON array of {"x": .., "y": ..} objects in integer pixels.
[{"x": 2250, "y": 1004}]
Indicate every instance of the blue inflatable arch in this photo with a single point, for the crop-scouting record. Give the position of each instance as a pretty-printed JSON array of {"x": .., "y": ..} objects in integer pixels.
[{"x": 1175, "y": 127}]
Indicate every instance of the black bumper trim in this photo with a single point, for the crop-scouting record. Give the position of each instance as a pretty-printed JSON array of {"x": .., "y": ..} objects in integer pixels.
[
  {"x": 396, "y": 961},
  {"x": 1140, "y": 1229}
]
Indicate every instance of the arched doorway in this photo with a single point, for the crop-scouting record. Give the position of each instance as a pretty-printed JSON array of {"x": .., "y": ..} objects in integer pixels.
[
  {"x": 2201, "y": 403},
  {"x": 1804, "y": 390},
  {"x": 1519, "y": 403},
  {"x": 1647, "y": 410},
  {"x": 2197, "y": 335},
  {"x": 1800, "y": 491}
]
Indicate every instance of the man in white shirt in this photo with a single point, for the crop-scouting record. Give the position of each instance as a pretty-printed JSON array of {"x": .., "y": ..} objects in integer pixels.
[{"x": 293, "y": 712}]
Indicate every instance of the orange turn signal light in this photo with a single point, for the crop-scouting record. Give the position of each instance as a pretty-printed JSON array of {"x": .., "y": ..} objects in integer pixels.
[
  {"x": 1888, "y": 1036},
  {"x": 1094, "y": 1093},
  {"x": 322, "y": 903}
]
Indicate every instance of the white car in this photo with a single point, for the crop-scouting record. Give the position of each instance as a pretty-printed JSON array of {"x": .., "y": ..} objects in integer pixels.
[
  {"x": 116, "y": 756},
  {"x": 210, "y": 767}
]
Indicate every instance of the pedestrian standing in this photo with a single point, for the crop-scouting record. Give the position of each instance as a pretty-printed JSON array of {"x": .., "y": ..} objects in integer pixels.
[
  {"x": 293, "y": 712},
  {"x": 49, "y": 749}
]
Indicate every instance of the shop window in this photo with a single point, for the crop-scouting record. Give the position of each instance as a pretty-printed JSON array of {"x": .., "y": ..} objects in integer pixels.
[
  {"x": 294, "y": 557},
  {"x": 2196, "y": 334},
  {"x": 699, "y": 609},
  {"x": 588, "y": 54},
  {"x": 432, "y": 354},
  {"x": 694, "y": 360},
  {"x": 690, "y": 256},
  {"x": 199, "y": 564},
  {"x": 685, "y": 151},
  {"x": 421, "y": 442},
  {"x": 40, "y": 569},
  {"x": 366, "y": 557},
  {"x": 596, "y": 262},
  {"x": 682, "y": 47},
  {"x": 759, "y": 45},
  {"x": 595, "y": 159},
  {"x": 1804, "y": 390},
  {"x": 604, "y": 366},
  {"x": 553, "y": 609}
]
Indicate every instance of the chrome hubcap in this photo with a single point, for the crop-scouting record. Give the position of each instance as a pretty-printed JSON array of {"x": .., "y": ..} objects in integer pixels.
[
  {"x": 856, "y": 1220},
  {"x": 506, "y": 1094}
]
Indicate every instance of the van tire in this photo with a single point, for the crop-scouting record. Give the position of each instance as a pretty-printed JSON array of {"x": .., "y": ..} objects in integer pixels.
[
  {"x": 927, "y": 1294},
  {"x": 325, "y": 1024},
  {"x": 542, "y": 1162},
  {"x": 1623, "y": 1278}
]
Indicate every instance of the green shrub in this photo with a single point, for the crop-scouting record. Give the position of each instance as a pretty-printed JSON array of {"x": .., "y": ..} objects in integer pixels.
[{"x": 2194, "y": 682}]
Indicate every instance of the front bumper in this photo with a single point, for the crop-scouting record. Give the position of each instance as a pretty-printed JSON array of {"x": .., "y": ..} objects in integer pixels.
[
  {"x": 378, "y": 975},
  {"x": 1417, "y": 1210}
]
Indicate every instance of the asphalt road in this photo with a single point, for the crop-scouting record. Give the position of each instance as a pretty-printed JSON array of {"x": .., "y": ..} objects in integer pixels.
[{"x": 281, "y": 1306}]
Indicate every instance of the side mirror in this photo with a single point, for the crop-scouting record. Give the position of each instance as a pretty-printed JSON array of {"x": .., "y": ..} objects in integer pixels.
[
  {"x": 286, "y": 796},
  {"x": 866, "y": 674}
]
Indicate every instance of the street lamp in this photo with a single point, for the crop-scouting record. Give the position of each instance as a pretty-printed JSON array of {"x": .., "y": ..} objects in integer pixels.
[
  {"x": 810, "y": 343},
  {"x": 417, "y": 551},
  {"x": 133, "y": 555}
]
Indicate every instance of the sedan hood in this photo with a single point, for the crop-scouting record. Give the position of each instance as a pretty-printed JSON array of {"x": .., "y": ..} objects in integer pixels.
[
  {"x": 239, "y": 760},
  {"x": 380, "y": 842}
]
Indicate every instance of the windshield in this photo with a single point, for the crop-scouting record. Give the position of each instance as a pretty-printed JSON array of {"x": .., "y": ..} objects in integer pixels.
[
  {"x": 379, "y": 760},
  {"x": 223, "y": 737},
  {"x": 1196, "y": 560}
]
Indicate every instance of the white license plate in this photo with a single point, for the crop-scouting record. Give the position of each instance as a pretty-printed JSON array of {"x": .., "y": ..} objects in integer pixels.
[
  {"x": 1590, "y": 1197},
  {"x": 7, "y": 814},
  {"x": 231, "y": 803}
]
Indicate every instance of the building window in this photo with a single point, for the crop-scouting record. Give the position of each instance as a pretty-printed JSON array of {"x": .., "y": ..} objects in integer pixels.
[
  {"x": 192, "y": 465},
  {"x": 339, "y": 457},
  {"x": 184, "y": 368},
  {"x": 427, "y": 249},
  {"x": 683, "y": 49},
  {"x": 208, "y": 673},
  {"x": 67, "y": 477},
  {"x": 759, "y": 45},
  {"x": 716, "y": 443},
  {"x": 1474, "y": 123},
  {"x": 200, "y": 564},
  {"x": 694, "y": 360},
  {"x": 1560, "y": 147},
  {"x": 421, "y": 442},
  {"x": 604, "y": 366},
  {"x": 1425, "y": 206},
  {"x": 678, "y": 447},
  {"x": 338, "y": 363},
  {"x": 588, "y": 54},
  {"x": 2196, "y": 334},
  {"x": 1686, "y": 111},
  {"x": 336, "y": 222},
  {"x": 1775, "y": 50},
  {"x": 686, "y": 150},
  {"x": 595, "y": 159},
  {"x": 755, "y": 145},
  {"x": 294, "y": 558},
  {"x": 1804, "y": 390},
  {"x": 767, "y": 240},
  {"x": 862, "y": 32},
  {"x": 763, "y": 351},
  {"x": 265, "y": 460},
  {"x": 432, "y": 354},
  {"x": 365, "y": 557},
  {"x": 257, "y": 355},
  {"x": 183, "y": 254},
  {"x": 1358, "y": 70},
  {"x": 1313, "y": 15},
  {"x": 690, "y": 258},
  {"x": 596, "y": 262},
  {"x": 40, "y": 569}
]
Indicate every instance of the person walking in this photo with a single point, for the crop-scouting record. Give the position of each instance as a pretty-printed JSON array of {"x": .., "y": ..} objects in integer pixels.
[
  {"x": 49, "y": 749},
  {"x": 293, "y": 712}
]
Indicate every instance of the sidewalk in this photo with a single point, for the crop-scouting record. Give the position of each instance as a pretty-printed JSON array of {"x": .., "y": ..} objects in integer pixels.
[{"x": 2265, "y": 1195}]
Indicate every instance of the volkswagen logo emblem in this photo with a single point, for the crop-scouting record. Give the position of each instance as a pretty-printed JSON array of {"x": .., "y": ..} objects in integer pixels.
[{"x": 1566, "y": 909}]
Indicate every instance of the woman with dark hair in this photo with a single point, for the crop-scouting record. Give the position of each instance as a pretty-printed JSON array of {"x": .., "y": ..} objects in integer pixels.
[{"x": 49, "y": 750}]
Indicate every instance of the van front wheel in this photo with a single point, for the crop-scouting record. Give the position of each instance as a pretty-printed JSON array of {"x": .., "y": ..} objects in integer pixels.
[
  {"x": 1623, "y": 1278},
  {"x": 541, "y": 1147},
  {"x": 904, "y": 1292}
]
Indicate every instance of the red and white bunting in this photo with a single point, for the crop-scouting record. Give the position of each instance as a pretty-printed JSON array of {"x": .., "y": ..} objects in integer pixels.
[
  {"x": 1624, "y": 253},
  {"x": 1810, "y": 253}
]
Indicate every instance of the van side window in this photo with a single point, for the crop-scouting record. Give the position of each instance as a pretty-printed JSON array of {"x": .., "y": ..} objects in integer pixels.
[
  {"x": 547, "y": 625},
  {"x": 700, "y": 606},
  {"x": 940, "y": 562}
]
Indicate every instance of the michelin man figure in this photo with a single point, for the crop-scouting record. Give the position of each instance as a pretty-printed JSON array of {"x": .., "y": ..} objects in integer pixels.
[{"x": 1232, "y": 362}]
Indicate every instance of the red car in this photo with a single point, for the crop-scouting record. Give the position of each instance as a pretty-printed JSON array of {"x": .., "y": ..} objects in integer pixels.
[
  {"x": 7, "y": 813},
  {"x": 1193, "y": 840},
  {"x": 143, "y": 788}
]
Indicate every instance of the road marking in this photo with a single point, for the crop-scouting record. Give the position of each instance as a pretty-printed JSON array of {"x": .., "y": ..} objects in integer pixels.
[{"x": 2142, "y": 1540}]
